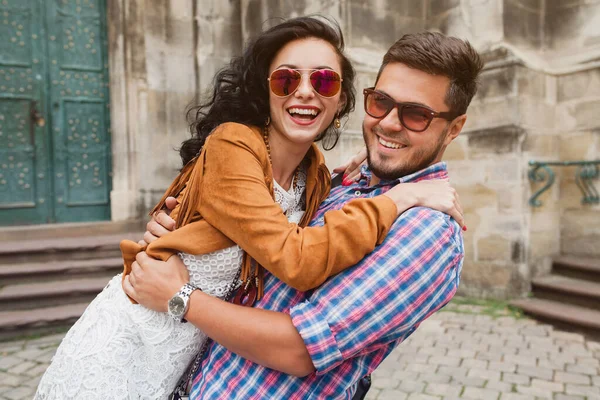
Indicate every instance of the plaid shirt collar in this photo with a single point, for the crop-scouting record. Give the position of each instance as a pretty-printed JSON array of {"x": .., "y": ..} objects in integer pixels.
[{"x": 435, "y": 171}]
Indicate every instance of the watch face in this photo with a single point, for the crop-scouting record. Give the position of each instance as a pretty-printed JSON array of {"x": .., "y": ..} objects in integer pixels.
[{"x": 176, "y": 306}]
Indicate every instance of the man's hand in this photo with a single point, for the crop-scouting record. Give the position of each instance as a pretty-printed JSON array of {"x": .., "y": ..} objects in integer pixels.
[
  {"x": 152, "y": 282},
  {"x": 160, "y": 224}
]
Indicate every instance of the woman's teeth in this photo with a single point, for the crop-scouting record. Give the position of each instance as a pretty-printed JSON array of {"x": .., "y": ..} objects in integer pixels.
[
  {"x": 389, "y": 145},
  {"x": 304, "y": 112}
]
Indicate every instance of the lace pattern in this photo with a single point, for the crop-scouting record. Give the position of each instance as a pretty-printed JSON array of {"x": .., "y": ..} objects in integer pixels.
[{"x": 118, "y": 350}]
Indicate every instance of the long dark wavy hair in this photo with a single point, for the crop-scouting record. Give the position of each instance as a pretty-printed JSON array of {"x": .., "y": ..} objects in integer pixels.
[{"x": 240, "y": 90}]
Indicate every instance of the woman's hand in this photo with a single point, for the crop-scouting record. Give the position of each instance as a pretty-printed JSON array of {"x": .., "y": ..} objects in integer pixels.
[
  {"x": 152, "y": 282},
  {"x": 160, "y": 224},
  {"x": 436, "y": 194},
  {"x": 351, "y": 169}
]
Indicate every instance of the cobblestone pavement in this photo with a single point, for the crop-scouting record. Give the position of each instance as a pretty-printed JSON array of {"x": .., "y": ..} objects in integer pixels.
[{"x": 462, "y": 352}]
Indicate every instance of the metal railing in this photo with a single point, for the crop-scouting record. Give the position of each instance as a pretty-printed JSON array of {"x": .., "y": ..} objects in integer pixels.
[{"x": 541, "y": 171}]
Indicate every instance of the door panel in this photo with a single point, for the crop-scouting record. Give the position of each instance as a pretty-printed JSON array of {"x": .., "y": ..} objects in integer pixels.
[
  {"x": 78, "y": 93},
  {"x": 24, "y": 186},
  {"x": 55, "y": 154}
]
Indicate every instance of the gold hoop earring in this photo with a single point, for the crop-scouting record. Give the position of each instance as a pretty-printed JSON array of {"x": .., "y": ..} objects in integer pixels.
[
  {"x": 337, "y": 123},
  {"x": 268, "y": 121}
]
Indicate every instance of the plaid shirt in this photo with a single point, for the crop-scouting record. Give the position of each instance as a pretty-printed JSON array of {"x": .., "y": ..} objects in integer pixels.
[{"x": 356, "y": 318}]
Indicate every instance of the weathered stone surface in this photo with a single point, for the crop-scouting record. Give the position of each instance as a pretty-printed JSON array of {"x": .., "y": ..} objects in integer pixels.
[{"x": 499, "y": 140}]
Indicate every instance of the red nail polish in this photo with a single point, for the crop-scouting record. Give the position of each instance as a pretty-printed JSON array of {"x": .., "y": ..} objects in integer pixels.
[
  {"x": 346, "y": 182},
  {"x": 465, "y": 228}
]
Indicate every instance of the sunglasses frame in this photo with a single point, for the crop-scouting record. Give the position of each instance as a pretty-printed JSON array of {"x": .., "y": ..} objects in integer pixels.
[
  {"x": 302, "y": 77},
  {"x": 447, "y": 115}
]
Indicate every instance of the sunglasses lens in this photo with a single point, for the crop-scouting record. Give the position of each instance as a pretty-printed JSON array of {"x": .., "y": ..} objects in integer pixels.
[
  {"x": 377, "y": 105},
  {"x": 326, "y": 82},
  {"x": 284, "y": 82},
  {"x": 416, "y": 118}
]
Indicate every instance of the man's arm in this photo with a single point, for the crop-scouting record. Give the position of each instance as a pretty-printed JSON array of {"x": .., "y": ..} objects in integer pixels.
[
  {"x": 413, "y": 274},
  {"x": 265, "y": 337}
]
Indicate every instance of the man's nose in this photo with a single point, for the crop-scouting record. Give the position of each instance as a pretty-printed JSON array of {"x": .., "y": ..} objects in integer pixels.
[{"x": 391, "y": 122}]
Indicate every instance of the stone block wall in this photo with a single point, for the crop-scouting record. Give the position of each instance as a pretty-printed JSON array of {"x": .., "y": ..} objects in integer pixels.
[{"x": 539, "y": 100}]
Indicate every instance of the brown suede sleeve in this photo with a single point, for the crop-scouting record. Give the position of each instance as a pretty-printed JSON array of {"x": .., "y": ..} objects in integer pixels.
[{"x": 237, "y": 201}]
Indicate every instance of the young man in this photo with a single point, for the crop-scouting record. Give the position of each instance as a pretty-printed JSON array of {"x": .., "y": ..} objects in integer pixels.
[{"x": 318, "y": 344}]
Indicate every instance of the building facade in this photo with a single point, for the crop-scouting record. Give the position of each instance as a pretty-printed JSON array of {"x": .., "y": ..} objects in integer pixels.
[{"x": 93, "y": 97}]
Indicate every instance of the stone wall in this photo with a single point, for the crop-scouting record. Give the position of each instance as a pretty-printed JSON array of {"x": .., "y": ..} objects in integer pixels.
[{"x": 538, "y": 100}]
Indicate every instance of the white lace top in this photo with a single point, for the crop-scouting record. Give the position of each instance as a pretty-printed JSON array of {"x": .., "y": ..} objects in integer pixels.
[{"x": 119, "y": 350}]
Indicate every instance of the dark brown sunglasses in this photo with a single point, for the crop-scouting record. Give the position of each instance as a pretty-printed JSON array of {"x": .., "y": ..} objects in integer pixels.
[{"x": 414, "y": 117}]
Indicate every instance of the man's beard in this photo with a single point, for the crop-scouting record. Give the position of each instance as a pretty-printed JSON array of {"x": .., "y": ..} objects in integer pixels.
[{"x": 391, "y": 169}]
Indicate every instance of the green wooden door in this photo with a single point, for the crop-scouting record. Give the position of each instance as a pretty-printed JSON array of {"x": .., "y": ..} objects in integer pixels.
[{"x": 54, "y": 117}]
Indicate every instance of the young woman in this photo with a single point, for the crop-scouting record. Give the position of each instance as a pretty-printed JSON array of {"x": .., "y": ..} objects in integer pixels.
[{"x": 252, "y": 180}]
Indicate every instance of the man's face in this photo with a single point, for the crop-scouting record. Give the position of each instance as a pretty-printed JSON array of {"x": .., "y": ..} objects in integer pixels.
[{"x": 393, "y": 150}]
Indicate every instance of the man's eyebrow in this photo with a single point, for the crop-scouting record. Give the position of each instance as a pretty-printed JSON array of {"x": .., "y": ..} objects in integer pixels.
[{"x": 417, "y": 103}]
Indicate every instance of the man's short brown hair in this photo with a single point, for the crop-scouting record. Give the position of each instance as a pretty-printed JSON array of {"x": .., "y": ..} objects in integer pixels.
[{"x": 438, "y": 54}]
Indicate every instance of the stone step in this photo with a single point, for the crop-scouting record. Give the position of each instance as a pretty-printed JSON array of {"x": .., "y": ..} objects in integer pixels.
[
  {"x": 60, "y": 249},
  {"x": 39, "y": 321},
  {"x": 565, "y": 316},
  {"x": 69, "y": 230},
  {"x": 577, "y": 267},
  {"x": 59, "y": 270},
  {"x": 31, "y": 296},
  {"x": 567, "y": 290}
]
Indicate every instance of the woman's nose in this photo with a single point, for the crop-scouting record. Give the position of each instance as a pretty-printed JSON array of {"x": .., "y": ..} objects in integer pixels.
[{"x": 305, "y": 90}]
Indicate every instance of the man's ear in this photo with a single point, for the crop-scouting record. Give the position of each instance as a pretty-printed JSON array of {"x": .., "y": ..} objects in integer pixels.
[{"x": 455, "y": 128}]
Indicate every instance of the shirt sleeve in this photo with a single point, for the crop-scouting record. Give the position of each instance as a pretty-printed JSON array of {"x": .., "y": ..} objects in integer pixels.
[
  {"x": 237, "y": 201},
  {"x": 412, "y": 274}
]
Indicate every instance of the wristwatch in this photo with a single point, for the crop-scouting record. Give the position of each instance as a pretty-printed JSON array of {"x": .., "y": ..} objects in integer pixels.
[{"x": 180, "y": 302}]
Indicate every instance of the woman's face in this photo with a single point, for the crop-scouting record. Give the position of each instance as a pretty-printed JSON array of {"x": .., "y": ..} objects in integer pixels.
[{"x": 300, "y": 117}]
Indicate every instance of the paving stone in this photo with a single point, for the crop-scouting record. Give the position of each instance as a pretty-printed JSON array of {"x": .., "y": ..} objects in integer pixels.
[
  {"x": 535, "y": 391},
  {"x": 567, "y": 336},
  {"x": 568, "y": 377},
  {"x": 391, "y": 394},
  {"x": 434, "y": 378},
  {"x": 445, "y": 360},
  {"x": 535, "y": 372},
  {"x": 480, "y": 394},
  {"x": 581, "y": 369},
  {"x": 548, "y": 385},
  {"x": 422, "y": 396},
  {"x": 452, "y": 372},
  {"x": 500, "y": 386},
  {"x": 8, "y": 362},
  {"x": 584, "y": 390},
  {"x": 470, "y": 364},
  {"x": 36, "y": 371},
  {"x": 384, "y": 383},
  {"x": 411, "y": 387},
  {"x": 21, "y": 367},
  {"x": 515, "y": 378},
  {"x": 516, "y": 396},
  {"x": 502, "y": 366},
  {"x": 461, "y": 353},
  {"x": 399, "y": 375},
  {"x": 561, "y": 396},
  {"x": 19, "y": 393},
  {"x": 484, "y": 374},
  {"x": 520, "y": 360},
  {"x": 575, "y": 349},
  {"x": 593, "y": 362},
  {"x": 466, "y": 381},
  {"x": 10, "y": 380},
  {"x": 443, "y": 389},
  {"x": 416, "y": 367}
]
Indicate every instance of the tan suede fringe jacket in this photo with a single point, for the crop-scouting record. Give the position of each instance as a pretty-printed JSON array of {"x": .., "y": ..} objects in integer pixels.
[{"x": 226, "y": 197}]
